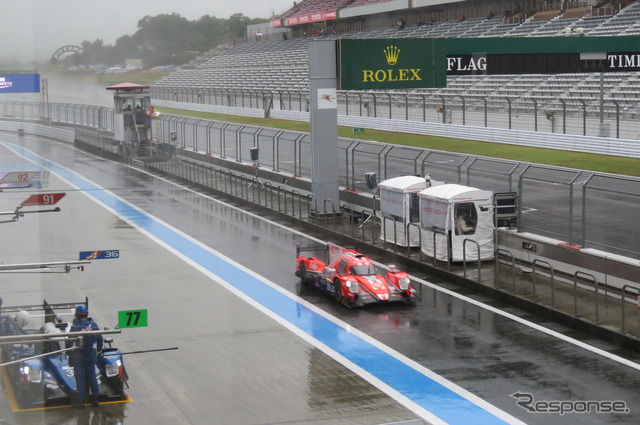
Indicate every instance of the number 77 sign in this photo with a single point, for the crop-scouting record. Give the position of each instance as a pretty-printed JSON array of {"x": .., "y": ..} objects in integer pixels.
[{"x": 132, "y": 318}]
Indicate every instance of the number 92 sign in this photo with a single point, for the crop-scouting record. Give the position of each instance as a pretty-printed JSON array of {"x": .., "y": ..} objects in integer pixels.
[{"x": 132, "y": 318}]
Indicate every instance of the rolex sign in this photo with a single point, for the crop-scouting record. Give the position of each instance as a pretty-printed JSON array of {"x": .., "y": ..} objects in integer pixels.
[{"x": 391, "y": 64}]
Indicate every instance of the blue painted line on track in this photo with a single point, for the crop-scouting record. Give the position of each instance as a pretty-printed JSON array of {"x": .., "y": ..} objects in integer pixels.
[{"x": 441, "y": 401}]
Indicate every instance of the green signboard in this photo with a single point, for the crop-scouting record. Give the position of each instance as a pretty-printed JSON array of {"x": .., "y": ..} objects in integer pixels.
[
  {"x": 391, "y": 64},
  {"x": 358, "y": 130},
  {"x": 132, "y": 318}
]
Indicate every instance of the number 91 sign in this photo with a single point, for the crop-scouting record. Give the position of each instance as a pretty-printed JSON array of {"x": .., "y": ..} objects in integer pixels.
[
  {"x": 43, "y": 199},
  {"x": 132, "y": 319}
]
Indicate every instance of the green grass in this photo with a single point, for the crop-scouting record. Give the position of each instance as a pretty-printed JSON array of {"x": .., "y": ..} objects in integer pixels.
[{"x": 584, "y": 161}]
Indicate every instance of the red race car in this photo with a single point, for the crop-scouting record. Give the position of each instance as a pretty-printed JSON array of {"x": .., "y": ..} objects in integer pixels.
[{"x": 352, "y": 278}]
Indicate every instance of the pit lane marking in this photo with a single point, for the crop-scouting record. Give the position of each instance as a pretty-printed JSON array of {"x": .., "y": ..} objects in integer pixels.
[
  {"x": 425, "y": 393},
  {"x": 339, "y": 357}
]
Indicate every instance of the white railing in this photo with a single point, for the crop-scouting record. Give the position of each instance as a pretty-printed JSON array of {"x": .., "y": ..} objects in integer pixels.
[
  {"x": 570, "y": 142},
  {"x": 39, "y": 130}
]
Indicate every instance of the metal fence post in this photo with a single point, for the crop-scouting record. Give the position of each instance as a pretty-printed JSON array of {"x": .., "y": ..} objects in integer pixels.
[
  {"x": 575, "y": 283},
  {"x": 533, "y": 280},
  {"x": 623, "y": 304},
  {"x": 464, "y": 257}
]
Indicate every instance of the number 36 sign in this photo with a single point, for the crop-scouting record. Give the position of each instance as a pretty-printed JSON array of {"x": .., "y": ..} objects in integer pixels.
[{"x": 132, "y": 318}]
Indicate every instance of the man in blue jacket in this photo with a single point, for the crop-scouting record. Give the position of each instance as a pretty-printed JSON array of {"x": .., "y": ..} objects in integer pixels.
[{"x": 83, "y": 359}]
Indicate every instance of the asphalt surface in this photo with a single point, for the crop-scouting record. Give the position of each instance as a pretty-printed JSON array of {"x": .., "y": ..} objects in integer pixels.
[{"x": 239, "y": 361}]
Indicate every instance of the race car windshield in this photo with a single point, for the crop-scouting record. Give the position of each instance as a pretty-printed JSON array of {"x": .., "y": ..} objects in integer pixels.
[{"x": 363, "y": 270}]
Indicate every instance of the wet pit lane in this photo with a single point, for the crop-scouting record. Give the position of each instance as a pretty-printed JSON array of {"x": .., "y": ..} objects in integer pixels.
[{"x": 237, "y": 365}]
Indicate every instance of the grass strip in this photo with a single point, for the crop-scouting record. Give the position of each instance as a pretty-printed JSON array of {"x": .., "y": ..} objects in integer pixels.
[{"x": 579, "y": 160}]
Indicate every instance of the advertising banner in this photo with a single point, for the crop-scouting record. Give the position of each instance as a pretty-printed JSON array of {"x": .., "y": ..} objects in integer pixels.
[
  {"x": 391, "y": 64},
  {"x": 312, "y": 17},
  {"x": 19, "y": 83}
]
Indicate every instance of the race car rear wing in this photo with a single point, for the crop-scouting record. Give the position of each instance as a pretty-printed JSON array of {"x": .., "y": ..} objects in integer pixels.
[
  {"x": 52, "y": 314},
  {"x": 329, "y": 251},
  {"x": 48, "y": 309},
  {"x": 315, "y": 248}
]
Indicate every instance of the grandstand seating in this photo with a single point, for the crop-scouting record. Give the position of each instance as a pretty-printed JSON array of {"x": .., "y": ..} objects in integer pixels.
[
  {"x": 546, "y": 15},
  {"x": 355, "y": 3},
  {"x": 624, "y": 23},
  {"x": 283, "y": 64},
  {"x": 312, "y": 6}
]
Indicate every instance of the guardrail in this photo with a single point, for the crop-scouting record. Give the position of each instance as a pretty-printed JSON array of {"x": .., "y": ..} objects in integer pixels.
[
  {"x": 39, "y": 130},
  {"x": 409, "y": 227},
  {"x": 508, "y": 254},
  {"x": 575, "y": 294},
  {"x": 395, "y": 231},
  {"x": 534, "y": 266},
  {"x": 464, "y": 257},
  {"x": 623, "y": 305},
  {"x": 568, "y": 142},
  {"x": 582, "y": 114},
  {"x": 289, "y": 201}
]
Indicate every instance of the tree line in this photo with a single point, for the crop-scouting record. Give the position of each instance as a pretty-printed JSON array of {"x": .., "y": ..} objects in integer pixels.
[{"x": 164, "y": 39}]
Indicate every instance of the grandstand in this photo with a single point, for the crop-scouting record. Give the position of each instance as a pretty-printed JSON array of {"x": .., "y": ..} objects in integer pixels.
[{"x": 281, "y": 64}]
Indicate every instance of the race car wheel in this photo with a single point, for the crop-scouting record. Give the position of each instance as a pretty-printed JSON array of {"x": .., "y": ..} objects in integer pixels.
[
  {"x": 118, "y": 387},
  {"x": 27, "y": 397},
  {"x": 303, "y": 274},
  {"x": 337, "y": 290}
]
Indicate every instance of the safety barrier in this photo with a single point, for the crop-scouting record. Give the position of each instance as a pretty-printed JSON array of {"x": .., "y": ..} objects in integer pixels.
[
  {"x": 569, "y": 142},
  {"x": 409, "y": 239},
  {"x": 464, "y": 258},
  {"x": 289, "y": 201},
  {"x": 38, "y": 130},
  {"x": 395, "y": 233},
  {"x": 623, "y": 305},
  {"x": 534, "y": 266},
  {"x": 438, "y": 231},
  {"x": 508, "y": 254},
  {"x": 575, "y": 293},
  {"x": 371, "y": 219},
  {"x": 577, "y": 115}
]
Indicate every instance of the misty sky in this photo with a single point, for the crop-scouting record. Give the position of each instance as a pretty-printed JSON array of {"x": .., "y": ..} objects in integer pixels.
[{"x": 34, "y": 29}]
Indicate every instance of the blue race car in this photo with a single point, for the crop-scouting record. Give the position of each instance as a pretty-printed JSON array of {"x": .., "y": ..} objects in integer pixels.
[{"x": 36, "y": 368}]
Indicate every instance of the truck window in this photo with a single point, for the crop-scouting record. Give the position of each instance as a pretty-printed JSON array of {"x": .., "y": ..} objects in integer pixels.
[{"x": 466, "y": 218}]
